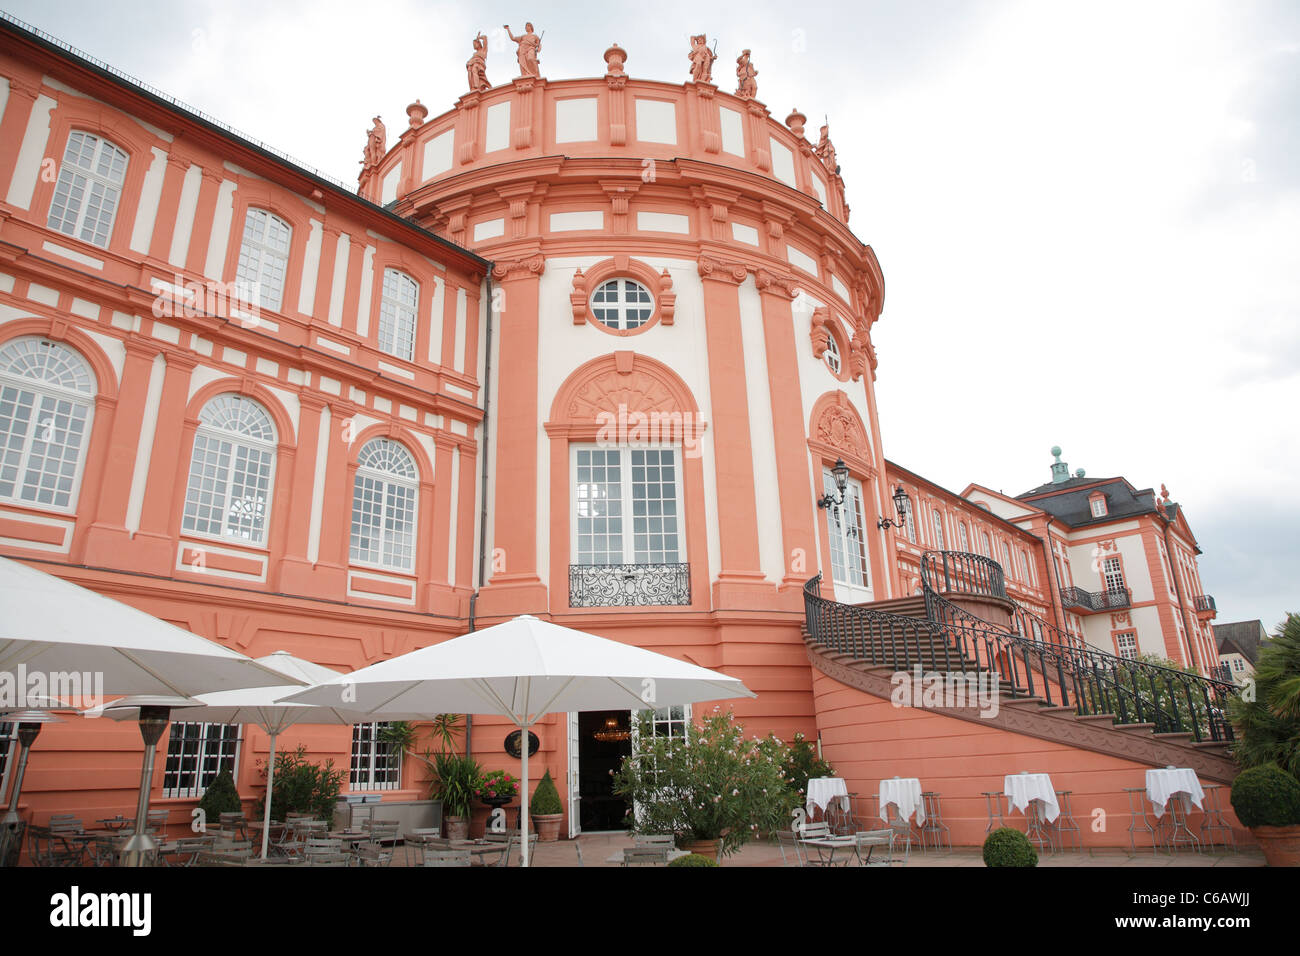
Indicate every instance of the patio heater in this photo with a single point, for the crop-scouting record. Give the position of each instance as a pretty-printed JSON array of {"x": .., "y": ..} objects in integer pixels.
[
  {"x": 141, "y": 849},
  {"x": 12, "y": 826}
]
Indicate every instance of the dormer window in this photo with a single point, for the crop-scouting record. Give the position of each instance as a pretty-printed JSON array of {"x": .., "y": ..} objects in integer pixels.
[{"x": 1098, "y": 505}]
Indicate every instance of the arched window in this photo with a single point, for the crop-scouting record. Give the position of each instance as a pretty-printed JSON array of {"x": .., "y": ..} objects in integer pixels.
[
  {"x": 47, "y": 394},
  {"x": 622, "y": 304},
  {"x": 962, "y": 537},
  {"x": 89, "y": 188},
  {"x": 397, "y": 311},
  {"x": 229, "y": 492},
  {"x": 832, "y": 355},
  {"x": 938, "y": 528},
  {"x": 383, "y": 506},
  {"x": 264, "y": 259}
]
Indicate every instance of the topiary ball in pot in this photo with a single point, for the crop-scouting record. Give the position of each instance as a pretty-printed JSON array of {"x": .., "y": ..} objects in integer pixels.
[
  {"x": 693, "y": 859},
  {"x": 1267, "y": 800},
  {"x": 546, "y": 809},
  {"x": 220, "y": 797},
  {"x": 1006, "y": 846}
]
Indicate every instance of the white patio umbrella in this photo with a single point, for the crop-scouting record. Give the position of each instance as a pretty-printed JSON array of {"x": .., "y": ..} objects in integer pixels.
[
  {"x": 262, "y": 706},
  {"x": 51, "y": 626},
  {"x": 523, "y": 669},
  {"x": 55, "y": 629}
]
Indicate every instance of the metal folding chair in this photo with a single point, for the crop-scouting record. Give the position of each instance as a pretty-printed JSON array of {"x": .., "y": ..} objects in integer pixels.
[
  {"x": 934, "y": 827},
  {"x": 788, "y": 842},
  {"x": 869, "y": 840},
  {"x": 1212, "y": 821},
  {"x": 1137, "y": 811},
  {"x": 1065, "y": 822},
  {"x": 446, "y": 858},
  {"x": 645, "y": 856}
]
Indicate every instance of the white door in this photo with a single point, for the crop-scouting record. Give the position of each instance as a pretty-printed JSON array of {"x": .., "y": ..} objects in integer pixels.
[
  {"x": 845, "y": 529},
  {"x": 575, "y": 806}
]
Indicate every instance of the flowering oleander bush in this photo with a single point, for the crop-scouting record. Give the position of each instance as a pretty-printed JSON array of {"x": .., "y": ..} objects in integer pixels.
[
  {"x": 803, "y": 764},
  {"x": 715, "y": 785},
  {"x": 496, "y": 783}
]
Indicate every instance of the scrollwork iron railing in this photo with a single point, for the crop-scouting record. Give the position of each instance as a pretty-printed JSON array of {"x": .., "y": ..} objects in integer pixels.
[
  {"x": 1093, "y": 682},
  {"x": 1111, "y": 600},
  {"x": 629, "y": 585},
  {"x": 1204, "y": 602}
]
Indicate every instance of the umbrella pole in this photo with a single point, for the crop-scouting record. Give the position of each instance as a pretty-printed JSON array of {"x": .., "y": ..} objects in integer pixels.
[
  {"x": 266, "y": 814},
  {"x": 523, "y": 801}
]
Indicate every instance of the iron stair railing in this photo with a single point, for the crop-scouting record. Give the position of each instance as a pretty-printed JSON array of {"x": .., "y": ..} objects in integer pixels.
[{"x": 1062, "y": 670}]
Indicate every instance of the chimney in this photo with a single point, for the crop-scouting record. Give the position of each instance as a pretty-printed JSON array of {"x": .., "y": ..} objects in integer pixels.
[{"x": 1060, "y": 470}]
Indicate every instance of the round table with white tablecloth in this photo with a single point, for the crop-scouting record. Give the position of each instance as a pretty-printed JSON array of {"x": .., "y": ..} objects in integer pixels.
[
  {"x": 822, "y": 790},
  {"x": 1023, "y": 788},
  {"x": 1163, "y": 784},
  {"x": 904, "y": 793}
]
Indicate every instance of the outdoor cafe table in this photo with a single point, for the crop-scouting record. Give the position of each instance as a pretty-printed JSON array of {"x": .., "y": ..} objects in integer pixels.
[
  {"x": 904, "y": 793},
  {"x": 822, "y": 790},
  {"x": 827, "y": 847},
  {"x": 1024, "y": 788},
  {"x": 1163, "y": 784},
  {"x": 481, "y": 849}
]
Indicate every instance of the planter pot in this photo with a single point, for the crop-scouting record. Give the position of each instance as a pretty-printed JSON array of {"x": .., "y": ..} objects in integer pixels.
[
  {"x": 707, "y": 848},
  {"x": 456, "y": 828},
  {"x": 1281, "y": 845},
  {"x": 547, "y": 826}
]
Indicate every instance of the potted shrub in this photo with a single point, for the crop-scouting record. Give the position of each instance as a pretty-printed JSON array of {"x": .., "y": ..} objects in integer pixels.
[
  {"x": 1006, "y": 846},
  {"x": 455, "y": 780},
  {"x": 220, "y": 797},
  {"x": 714, "y": 793},
  {"x": 693, "y": 859},
  {"x": 1267, "y": 800},
  {"x": 545, "y": 809}
]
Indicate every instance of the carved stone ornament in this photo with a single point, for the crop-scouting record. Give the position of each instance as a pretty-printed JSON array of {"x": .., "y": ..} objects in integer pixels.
[
  {"x": 519, "y": 268},
  {"x": 796, "y": 122},
  {"x": 667, "y": 299},
  {"x": 578, "y": 297},
  {"x": 615, "y": 57},
  {"x": 821, "y": 335},
  {"x": 711, "y": 268},
  {"x": 838, "y": 427}
]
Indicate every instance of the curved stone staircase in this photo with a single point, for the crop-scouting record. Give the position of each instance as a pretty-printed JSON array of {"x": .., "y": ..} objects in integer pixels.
[{"x": 1050, "y": 685}]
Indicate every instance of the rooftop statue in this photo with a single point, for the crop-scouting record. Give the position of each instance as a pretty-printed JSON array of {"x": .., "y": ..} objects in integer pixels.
[
  {"x": 745, "y": 72},
  {"x": 376, "y": 144},
  {"x": 701, "y": 58},
  {"x": 529, "y": 45},
  {"x": 826, "y": 151},
  {"x": 477, "y": 66}
]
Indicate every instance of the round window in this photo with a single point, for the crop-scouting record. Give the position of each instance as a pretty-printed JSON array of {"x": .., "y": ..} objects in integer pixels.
[{"x": 622, "y": 304}]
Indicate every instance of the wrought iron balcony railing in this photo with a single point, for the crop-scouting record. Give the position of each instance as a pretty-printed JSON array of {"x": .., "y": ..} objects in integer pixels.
[
  {"x": 1204, "y": 603},
  {"x": 630, "y": 585},
  {"x": 1111, "y": 600}
]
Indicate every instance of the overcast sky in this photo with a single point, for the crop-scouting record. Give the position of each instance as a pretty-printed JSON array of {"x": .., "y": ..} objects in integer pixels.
[{"x": 1087, "y": 214}]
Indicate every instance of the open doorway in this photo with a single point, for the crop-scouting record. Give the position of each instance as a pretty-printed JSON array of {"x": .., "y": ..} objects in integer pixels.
[{"x": 604, "y": 739}]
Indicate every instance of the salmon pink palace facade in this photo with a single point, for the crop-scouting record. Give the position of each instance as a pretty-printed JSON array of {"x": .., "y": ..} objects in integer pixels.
[{"x": 597, "y": 350}]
